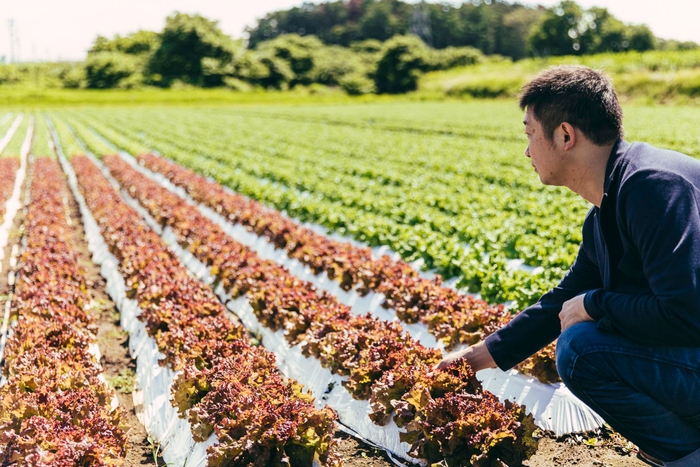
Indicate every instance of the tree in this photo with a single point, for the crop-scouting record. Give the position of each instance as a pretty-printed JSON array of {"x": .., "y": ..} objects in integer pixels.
[
  {"x": 112, "y": 69},
  {"x": 608, "y": 34},
  {"x": 379, "y": 22},
  {"x": 264, "y": 69},
  {"x": 517, "y": 25},
  {"x": 401, "y": 62},
  {"x": 567, "y": 29},
  {"x": 137, "y": 43},
  {"x": 329, "y": 21},
  {"x": 492, "y": 26},
  {"x": 562, "y": 30},
  {"x": 641, "y": 38},
  {"x": 191, "y": 49},
  {"x": 298, "y": 52}
]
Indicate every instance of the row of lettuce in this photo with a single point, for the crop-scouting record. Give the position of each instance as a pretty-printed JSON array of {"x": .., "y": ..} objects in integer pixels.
[
  {"x": 380, "y": 361},
  {"x": 466, "y": 218},
  {"x": 225, "y": 385},
  {"x": 55, "y": 408}
]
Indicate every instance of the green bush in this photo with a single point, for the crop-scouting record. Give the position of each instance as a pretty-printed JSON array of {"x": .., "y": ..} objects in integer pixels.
[
  {"x": 298, "y": 52},
  {"x": 357, "y": 84},
  {"x": 185, "y": 43},
  {"x": 264, "y": 70},
  {"x": 402, "y": 60},
  {"x": 488, "y": 88},
  {"x": 369, "y": 46},
  {"x": 9, "y": 74},
  {"x": 452, "y": 57},
  {"x": 137, "y": 43},
  {"x": 74, "y": 78},
  {"x": 236, "y": 84},
  {"x": 112, "y": 69},
  {"x": 333, "y": 63}
]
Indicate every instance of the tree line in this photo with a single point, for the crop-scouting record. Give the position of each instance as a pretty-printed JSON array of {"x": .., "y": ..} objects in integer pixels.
[
  {"x": 192, "y": 50},
  {"x": 491, "y": 26}
]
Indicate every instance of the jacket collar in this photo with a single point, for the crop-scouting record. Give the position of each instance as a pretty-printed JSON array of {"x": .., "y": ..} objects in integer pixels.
[{"x": 616, "y": 158}]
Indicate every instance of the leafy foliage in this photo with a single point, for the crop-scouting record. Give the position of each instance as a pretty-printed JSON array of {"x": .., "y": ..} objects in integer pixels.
[
  {"x": 493, "y": 28},
  {"x": 460, "y": 218},
  {"x": 137, "y": 43},
  {"x": 54, "y": 409},
  {"x": 40, "y": 138},
  {"x": 402, "y": 59},
  {"x": 349, "y": 265},
  {"x": 192, "y": 49},
  {"x": 111, "y": 70},
  {"x": 66, "y": 140},
  {"x": 567, "y": 29},
  {"x": 192, "y": 330},
  {"x": 363, "y": 348},
  {"x": 8, "y": 172},
  {"x": 452, "y": 317},
  {"x": 14, "y": 147}
]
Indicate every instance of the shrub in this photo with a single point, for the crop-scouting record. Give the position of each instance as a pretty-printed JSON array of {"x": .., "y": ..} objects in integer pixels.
[
  {"x": 452, "y": 57},
  {"x": 111, "y": 69},
  {"x": 402, "y": 60},
  {"x": 357, "y": 84}
]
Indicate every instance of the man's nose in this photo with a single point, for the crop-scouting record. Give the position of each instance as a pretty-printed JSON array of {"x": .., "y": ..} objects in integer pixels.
[{"x": 527, "y": 151}]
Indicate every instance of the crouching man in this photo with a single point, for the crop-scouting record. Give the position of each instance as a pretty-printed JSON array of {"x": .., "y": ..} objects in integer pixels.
[{"x": 627, "y": 314}]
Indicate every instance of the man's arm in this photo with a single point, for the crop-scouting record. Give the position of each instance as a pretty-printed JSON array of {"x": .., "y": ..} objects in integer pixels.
[
  {"x": 661, "y": 218},
  {"x": 477, "y": 355},
  {"x": 538, "y": 325}
]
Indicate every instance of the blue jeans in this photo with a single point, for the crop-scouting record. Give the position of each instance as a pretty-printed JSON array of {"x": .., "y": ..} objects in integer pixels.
[{"x": 650, "y": 395}]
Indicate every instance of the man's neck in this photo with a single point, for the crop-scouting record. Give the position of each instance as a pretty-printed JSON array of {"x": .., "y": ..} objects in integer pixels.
[{"x": 586, "y": 176}]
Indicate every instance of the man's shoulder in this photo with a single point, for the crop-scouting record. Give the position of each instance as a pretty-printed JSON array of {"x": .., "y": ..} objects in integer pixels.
[
  {"x": 647, "y": 149},
  {"x": 643, "y": 161}
]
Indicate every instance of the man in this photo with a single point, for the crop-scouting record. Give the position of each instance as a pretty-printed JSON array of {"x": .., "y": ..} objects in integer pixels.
[{"x": 627, "y": 314}]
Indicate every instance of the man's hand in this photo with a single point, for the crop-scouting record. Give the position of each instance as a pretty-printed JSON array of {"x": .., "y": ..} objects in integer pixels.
[
  {"x": 573, "y": 312},
  {"x": 478, "y": 357}
]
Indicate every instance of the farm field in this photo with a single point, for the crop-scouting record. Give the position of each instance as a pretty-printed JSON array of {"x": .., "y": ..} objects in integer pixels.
[
  {"x": 218, "y": 229},
  {"x": 445, "y": 184}
]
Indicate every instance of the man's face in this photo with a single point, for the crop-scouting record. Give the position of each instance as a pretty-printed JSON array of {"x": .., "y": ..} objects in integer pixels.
[{"x": 546, "y": 159}]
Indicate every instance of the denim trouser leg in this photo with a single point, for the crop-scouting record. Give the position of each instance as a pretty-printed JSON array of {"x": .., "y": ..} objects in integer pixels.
[{"x": 651, "y": 395}]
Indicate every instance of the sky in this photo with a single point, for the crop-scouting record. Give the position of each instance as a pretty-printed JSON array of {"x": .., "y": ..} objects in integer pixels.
[{"x": 65, "y": 30}]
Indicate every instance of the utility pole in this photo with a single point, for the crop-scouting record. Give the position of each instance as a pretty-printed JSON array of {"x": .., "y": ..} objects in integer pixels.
[{"x": 13, "y": 38}]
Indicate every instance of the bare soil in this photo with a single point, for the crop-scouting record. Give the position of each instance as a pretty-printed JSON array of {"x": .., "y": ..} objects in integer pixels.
[
  {"x": 609, "y": 450},
  {"x": 567, "y": 451},
  {"x": 356, "y": 453}
]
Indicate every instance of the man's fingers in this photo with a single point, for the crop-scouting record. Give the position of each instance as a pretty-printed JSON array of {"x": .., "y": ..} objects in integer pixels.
[{"x": 442, "y": 365}]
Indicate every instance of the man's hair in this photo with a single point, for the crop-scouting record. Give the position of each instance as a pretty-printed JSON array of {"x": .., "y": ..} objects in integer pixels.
[{"x": 578, "y": 95}]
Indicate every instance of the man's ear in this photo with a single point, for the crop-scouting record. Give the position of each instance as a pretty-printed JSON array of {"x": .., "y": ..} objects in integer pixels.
[{"x": 569, "y": 135}]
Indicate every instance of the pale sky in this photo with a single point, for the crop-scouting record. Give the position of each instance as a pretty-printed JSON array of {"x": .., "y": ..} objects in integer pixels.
[{"x": 53, "y": 30}]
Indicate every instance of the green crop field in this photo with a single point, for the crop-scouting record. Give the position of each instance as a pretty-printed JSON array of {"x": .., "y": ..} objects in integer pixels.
[{"x": 445, "y": 184}]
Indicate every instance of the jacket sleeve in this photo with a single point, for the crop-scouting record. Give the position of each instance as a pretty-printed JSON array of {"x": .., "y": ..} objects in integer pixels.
[
  {"x": 538, "y": 325},
  {"x": 659, "y": 212}
]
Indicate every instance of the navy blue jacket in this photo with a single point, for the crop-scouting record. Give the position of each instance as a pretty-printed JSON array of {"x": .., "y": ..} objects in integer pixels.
[{"x": 638, "y": 264}]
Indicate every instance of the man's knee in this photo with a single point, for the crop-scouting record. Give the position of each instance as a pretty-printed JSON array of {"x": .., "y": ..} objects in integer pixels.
[{"x": 572, "y": 344}]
